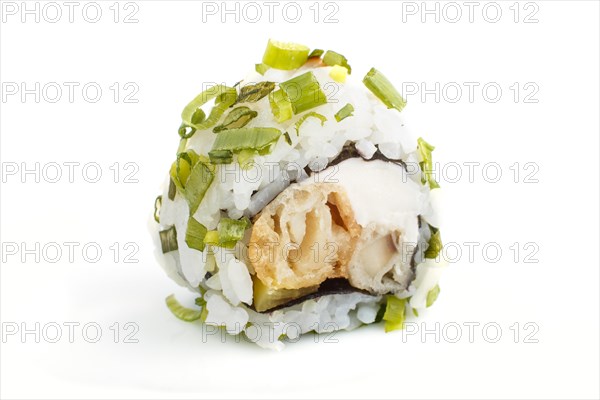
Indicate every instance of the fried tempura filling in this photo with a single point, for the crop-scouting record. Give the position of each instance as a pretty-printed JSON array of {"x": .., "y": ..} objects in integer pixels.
[{"x": 305, "y": 236}]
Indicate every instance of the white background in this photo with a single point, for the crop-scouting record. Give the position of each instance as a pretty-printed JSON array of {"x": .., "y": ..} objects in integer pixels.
[{"x": 169, "y": 54}]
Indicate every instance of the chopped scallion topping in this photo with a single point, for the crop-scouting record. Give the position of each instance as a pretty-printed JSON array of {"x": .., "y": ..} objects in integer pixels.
[
  {"x": 181, "y": 312},
  {"x": 220, "y": 156},
  {"x": 395, "y": 312},
  {"x": 287, "y": 138},
  {"x": 235, "y": 140},
  {"x": 237, "y": 118},
  {"x": 192, "y": 177},
  {"x": 253, "y": 93},
  {"x": 381, "y": 87},
  {"x": 231, "y": 230},
  {"x": 344, "y": 112},
  {"x": 332, "y": 58},
  {"x": 426, "y": 164},
  {"x": 316, "y": 53},
  {"x": 285, "y": 56},
  {"x": 168, "y": 239},
  {"x": 211, "y": 237},
  {"x": 172, "y": 189},
  {"x": 304, "y": 92},
  {"x": 157, "y": 205},
  {"x": 435, "y": 243},
  {"x": 194, "y": 235},
  {"x": 261, "y": 68},
  {"x": 224, "y": 97},
  {"x": 201, "y": 176},
  {"x": 321, "y": 117},
  {"x": 245, "y": 157},
  {"x": 280, "y": 105},
  {"x": 228, "y": 233},
  {"x": 432, "y": 296}
]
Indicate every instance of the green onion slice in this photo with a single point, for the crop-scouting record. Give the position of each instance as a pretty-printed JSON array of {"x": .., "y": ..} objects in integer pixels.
[
  {"x": 192, "y": 177},
  {"x": 235, "y": 140},
  {"x": 157, "y": 205},
  {"x": 228, "y": 233},
  {"x": 321, "y": 117},
  {"x": 381, "y": 87},
  {"x": 211, "y": 237},
  {"x": 395, "y": 311},
  {"x": 194, "y": 235},
  {"x": 287, "y": 138},
  {"x": 168, "y": 239},
  {"x": 172, "y": 190},
  {"x": 201, "y": 176},
  {"x": 332, "y": 58},
  {"x": 220, "y": 156},
  {"x": 180, "y": 170},
  {"x": 231, "y": 230},
  {"x": 344, "y": 112},
  {"x": 304, "y": 92},
  {"x": 261, "y": 68},
  {"x": 435, "y": 243},
  {"x": 316, "y": 53},
  {"x": 181, "y": 312},
  {"x": 245, "y": 157},
  {"x": 237, "y": 118},
  {"x": 432, "y": 296},
  {"x": 224, "y": 97},
  {"x": 253, "y": 93},
  {"x": 285, "y": 56},
  {"x": 426, "y": 164},
  {"x": 280, "y": 105},
  {"x": 199, "y": 301}
]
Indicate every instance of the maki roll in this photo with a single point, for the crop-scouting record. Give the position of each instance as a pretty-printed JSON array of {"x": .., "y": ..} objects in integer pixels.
[{"x": 299, "y": 200}]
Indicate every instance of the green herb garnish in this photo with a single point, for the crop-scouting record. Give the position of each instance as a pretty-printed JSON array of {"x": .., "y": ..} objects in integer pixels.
[
  {"x": 237, "y": 118},
  {"x": 381, "y": 87},
  {"x": 194, "y": 235},
  {"x": 435, "y": 243},
  {"x": 181, "y": 312},
  {"x": 313, "y": 114},
  {"x": 316, "y": 53},
  {"x": 426, "y": 165},
  {"x": 157, "y": 205},
  {"x": 192, "y": 118},
  {"x": 253, "y": 93},
  {"x": 344, "y": 112},
  {"x": 192, "y": 177},
  {"x": 395, "y": 311},
  {"x": 280, "y": 105},
  {"x": 432, "y": 295},
  {"x": 285, "y": 56},
  {"x": 235, "y": 140},
  {"x": 261, "y": 68},
  {"x": 220, "y": 156},
  {"x": 228, "y": 233},
  {"x": 332, "y": 58},
  {"x": 304, "y": 92},
  {"x": 168, "y": 239},
  {"x": 172, "y": 190},
  {"x": 245, "y": 157}
]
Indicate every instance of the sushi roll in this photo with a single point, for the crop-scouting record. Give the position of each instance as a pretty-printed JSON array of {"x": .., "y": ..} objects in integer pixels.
[{"x": 299, "y": 200}]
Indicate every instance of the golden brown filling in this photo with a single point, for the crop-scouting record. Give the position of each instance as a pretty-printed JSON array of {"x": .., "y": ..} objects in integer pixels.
[{"x": 305, "y": 236}]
